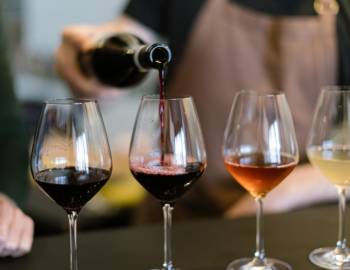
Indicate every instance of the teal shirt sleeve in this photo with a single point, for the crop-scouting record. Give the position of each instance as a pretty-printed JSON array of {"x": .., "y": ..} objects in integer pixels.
[{"x": 13, "y": 137}]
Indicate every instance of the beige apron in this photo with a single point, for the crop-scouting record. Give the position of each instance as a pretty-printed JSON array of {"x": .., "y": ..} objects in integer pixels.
[{"x": 233, "y": 48}]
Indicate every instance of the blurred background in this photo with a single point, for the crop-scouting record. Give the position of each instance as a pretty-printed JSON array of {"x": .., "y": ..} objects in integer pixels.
[{"x": 33, "y": 30}]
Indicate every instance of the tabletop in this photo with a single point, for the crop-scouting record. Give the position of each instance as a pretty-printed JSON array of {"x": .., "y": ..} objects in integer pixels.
[{"x": 206, "y": 244}]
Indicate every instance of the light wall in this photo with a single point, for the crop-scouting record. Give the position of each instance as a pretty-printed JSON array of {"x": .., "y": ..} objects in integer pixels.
[{"x": 43, "y": 20}]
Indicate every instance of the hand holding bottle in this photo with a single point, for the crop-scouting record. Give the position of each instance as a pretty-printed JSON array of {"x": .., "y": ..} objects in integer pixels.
[
  {"x": 76, "y": 39},
  {"x": 16, "y": 229},
  {"x": 80, "y": 39}
]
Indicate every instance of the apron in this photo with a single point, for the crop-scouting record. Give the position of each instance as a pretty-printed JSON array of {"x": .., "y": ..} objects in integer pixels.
[{"x": 233, "y": 48}]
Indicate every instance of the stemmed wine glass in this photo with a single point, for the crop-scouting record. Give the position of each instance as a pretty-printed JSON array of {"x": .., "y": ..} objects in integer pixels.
[
  {"x": 329, "y": 150},
  {"x": 167, "y": 154},
  {"x": 259, "y": 151},
  {"x": 71, "y": 158}
]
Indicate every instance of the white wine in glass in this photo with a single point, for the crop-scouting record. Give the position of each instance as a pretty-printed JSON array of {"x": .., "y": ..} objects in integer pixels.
[
  {"x": 329, "y": 150},
  {"x": 333, "y": 163}
]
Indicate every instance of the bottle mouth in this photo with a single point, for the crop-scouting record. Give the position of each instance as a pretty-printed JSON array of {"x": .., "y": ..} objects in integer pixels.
[
  {"x": 153, "y": 56},
  {"x": 160, "y": 54}
]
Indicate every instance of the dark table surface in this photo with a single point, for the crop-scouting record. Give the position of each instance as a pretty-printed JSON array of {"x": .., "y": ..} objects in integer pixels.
[{"x": 197, "y": 245}]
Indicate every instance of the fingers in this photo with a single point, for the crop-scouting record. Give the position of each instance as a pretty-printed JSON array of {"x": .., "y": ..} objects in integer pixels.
[
  {"x": 14, "y": 233},
  {"x": 66, "y": 65},
  {"x": 6, "y": 215},
  {"x": 16, "y": 230},
  {"x": 26, "y": 238},
  {"x": 74, "y": 40}
]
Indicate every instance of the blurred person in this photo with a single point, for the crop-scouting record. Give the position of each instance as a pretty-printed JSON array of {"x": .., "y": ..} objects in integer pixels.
[
  {"x": 16, "y": 228},
  {"x": 223, "y": 46}
]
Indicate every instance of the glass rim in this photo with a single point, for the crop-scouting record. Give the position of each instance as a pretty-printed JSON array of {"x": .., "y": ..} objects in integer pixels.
[
  {"x": 69, "y": 101},
  {"x": 340, "y": 88},
  {"x": 259, "y": 94},
  {"x": 170, "y": 98}
]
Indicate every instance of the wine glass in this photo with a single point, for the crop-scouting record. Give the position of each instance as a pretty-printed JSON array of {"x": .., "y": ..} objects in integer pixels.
[
  {"x": 167, "y": 154},
  {"x": 71, "y": 158},
  {"x": 328, "y": 149},
  {"x": 259, "y": 151}
]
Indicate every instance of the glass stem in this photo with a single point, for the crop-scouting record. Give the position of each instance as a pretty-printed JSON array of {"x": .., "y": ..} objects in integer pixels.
[
  {"x": 259, "y": 254},
  {"x": 72, "y": 218},
  {"x": 167, "y": 214},
  {"x": 341, "y": 244}
]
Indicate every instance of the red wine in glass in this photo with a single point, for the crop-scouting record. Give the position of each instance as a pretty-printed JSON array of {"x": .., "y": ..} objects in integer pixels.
[
  {"x": 71, "y": 188},
  {"x": 169, "y": 165},
  {"x": 71, "y": 159},
  {"x": 161, "y": 72},
  {"x": 167, "y": 183}
]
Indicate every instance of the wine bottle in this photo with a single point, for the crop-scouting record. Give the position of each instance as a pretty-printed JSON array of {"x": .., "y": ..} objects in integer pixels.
[{"x": 123, "y": 60}]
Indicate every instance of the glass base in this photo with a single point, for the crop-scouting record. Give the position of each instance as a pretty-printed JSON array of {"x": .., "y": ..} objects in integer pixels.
[
  {"x": 165, "y": 269},
  {"x": 329, "y": 258},
  {"x": 270, "y": 264}
]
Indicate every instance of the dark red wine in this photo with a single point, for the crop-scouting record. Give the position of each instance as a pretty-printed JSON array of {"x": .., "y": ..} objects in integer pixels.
[
  {"x": 161, "y": 95},
  {"x": 161, "y": 110},
  {"x": 71, "y": 188},
  {"x": 167, "y": 183}
]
